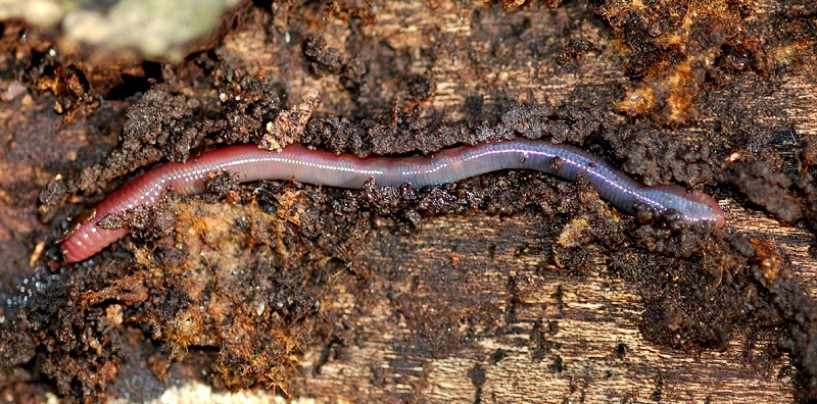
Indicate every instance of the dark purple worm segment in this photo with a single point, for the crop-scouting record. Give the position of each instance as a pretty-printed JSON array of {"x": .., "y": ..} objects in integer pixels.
[{"x": 300, "y": 164}]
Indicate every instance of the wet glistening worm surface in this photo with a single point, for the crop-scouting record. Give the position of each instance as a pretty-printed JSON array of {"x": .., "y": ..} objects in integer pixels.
[{"x": 347, "y": 171}]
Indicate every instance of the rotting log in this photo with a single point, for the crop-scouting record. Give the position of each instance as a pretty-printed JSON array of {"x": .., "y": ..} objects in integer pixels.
[{"x": 475, "y": 292}]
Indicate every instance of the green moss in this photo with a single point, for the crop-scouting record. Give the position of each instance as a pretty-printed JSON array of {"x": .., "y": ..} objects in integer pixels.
[{"x": 149, "y": 28}]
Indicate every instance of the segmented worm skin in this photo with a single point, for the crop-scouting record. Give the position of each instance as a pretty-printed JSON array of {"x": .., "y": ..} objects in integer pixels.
[{"x": 347, "y": 171}]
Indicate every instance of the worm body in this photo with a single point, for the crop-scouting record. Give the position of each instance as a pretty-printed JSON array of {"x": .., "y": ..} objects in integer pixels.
[{"x": 347, "y": 171}]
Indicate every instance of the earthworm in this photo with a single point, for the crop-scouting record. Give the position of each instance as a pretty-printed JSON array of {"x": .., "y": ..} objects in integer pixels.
[{"x": 348, "y": 171}]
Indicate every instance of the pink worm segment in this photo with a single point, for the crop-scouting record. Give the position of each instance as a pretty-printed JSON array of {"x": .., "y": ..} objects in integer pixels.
[{"x": 347, "y": 171}]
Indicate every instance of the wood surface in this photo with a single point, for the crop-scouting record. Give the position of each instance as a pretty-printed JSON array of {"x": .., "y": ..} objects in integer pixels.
[{"x": 593, "y": 316}]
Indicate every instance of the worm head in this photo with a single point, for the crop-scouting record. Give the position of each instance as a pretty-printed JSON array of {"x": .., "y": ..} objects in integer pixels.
[
  {"x": 694, "y": 206},
  {"x": 704, "y": 208}
]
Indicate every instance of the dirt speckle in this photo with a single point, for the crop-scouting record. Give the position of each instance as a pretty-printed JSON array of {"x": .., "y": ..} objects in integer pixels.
[{"x": 770, "y": 189}]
